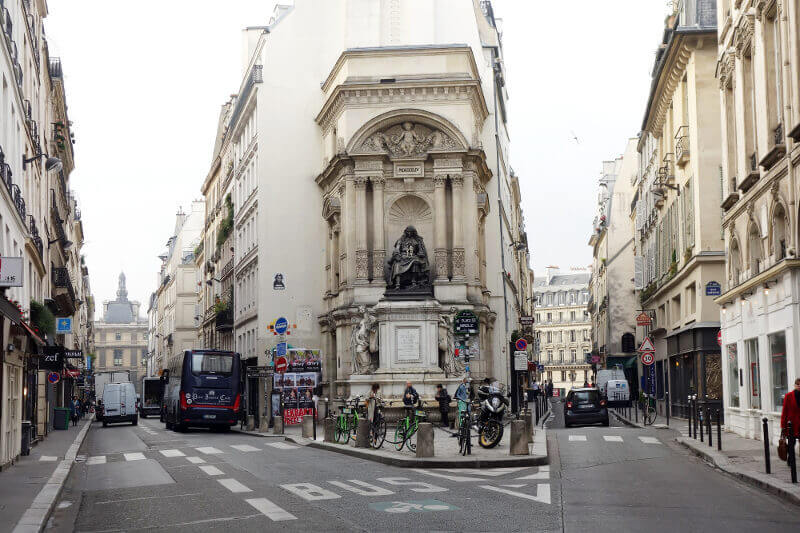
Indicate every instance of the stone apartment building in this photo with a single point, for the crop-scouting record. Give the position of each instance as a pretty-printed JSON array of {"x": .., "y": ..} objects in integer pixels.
[
  {"x": 678, "y": 234},
  {"x": 120, "y": 337},
  {"x": 612, "y": 303},
  {"x": 400, "y": 124},
  {"x": 759, "y": 92},
  {"x": 563, "y": 327}
]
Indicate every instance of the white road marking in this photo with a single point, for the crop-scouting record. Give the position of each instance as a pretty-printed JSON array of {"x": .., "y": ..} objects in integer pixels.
[
  {"x": 96, "y": 460},
  {"x": 244, "y": 447},
  {"x": 493, "y": 472},
  {"x": 196, "y": 460},
  {"x": 414, "y": 486},
  {"x": 270, "y": 510},
  {"x": 612, "y": 438},
  {"x": 514, "y": 486},
  {"x": 104, "y": 502},
  {"x": 135, "y": 456},
  {"x": 211, "y": 470},
  {"x": 281, "y": 445},
  {"x": 581, "y": 438},
  {"x": 649, "y": 440},
  {"x": 233, "y": 485},
  {"x": 208, "y": 450},
  {"x": 542, "y": 493},
  {"x": 372, "y": 490},
  {"x": 310, "y": 492},
  {"x": 172, "y": 453},
  {"x": 48, "y": 458},
  {"x": 445, "y": 476},
  {"x": 543, "y": 473}
]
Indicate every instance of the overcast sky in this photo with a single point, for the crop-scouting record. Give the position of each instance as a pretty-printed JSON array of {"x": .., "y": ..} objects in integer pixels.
[{"x": 145, "y": 80}]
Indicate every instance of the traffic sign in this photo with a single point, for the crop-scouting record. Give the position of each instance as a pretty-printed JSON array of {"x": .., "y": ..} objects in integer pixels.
[
  {"x": 53, "y": 378},
  {"x": 280, "y": 349},
  {"x": 648, "y": 358},
  {"x": 719, "y": 337},
  {"x": 281, "y": 325},
  {"x": 520, "y": 361},
  {"x": 280, "y": 365},
  {"x": 647, "y": 345},
  {"x": 541, "y": 368},
  {"x": 521, "y": 344},
  {"x": 64, "y": 325}
]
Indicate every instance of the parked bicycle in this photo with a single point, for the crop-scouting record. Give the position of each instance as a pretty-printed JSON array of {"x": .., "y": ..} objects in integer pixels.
[
  {"x": 346, "y": 420},
  {"x": 406, "y": 432},
  {"x": 464, "y": 428},
  {"x": 648, "y": 409},
  {"x": 377, "y": 429}
]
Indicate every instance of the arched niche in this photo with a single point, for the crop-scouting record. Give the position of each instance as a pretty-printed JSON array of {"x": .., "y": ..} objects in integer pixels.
[{"x": 409, "y": 210}]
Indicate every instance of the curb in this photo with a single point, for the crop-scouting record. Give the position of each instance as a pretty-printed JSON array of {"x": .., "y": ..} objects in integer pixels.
[
  {"x": 763, "y": 481},
  {"x": 257, "y": 434},
  {"x": 540, "y": 439},
  {"x": 626, "y": 421},
  {"x": 35, "y": 518}
]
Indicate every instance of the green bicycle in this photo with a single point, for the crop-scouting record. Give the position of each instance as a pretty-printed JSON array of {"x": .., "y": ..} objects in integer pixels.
[
  {"x": 406, "y": 432},
  {"x": 346, "y": 421}
]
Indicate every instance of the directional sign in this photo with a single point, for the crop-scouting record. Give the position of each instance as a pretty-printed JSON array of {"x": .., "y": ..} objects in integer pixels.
[
  {"x": 53, "y": 378},
  {"x": 521, "y": 344},
  {"x": 281, "y": 325},
  {"x": 280, "y": 349},
  {"x": 647, "y": 345},
  {"x": 541, "y": 368},
  {"x": 64, "y": 325},
  {"x": 648, "y": 358},
  {"x": 526, "y": 320}
]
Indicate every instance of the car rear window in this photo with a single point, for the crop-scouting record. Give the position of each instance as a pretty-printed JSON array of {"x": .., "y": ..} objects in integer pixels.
[
  {"x": 587, "y": 396},
  {"x": 206, "y": 363}
]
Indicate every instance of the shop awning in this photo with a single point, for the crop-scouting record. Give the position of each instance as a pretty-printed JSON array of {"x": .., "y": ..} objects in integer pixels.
[
  {"x": 31, "y": 333},
  {"x": 10, "y": 310}
]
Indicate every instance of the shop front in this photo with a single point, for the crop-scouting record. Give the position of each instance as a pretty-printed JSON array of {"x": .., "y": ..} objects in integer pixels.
[{"x": 695, "y": 369}]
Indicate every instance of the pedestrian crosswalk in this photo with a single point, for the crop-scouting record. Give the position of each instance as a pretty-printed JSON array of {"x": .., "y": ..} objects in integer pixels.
[
  {"x": 194, "y": 454},
  {"x": 613, "y": 439}
]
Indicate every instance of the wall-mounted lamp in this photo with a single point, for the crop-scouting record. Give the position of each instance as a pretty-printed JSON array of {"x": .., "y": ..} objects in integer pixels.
[
  {"x": 53, "y": 164},
  {"x": 208, "y": 282},
  {"x": 766, "y": 289}
]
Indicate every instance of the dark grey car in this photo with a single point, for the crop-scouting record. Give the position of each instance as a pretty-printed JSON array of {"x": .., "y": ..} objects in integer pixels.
[{"x": 585, "y": 406}]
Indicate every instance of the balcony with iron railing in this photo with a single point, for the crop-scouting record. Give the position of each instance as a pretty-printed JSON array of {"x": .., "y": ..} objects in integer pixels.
[
  {"x": 682, "y": 146},
  {"x": 255, "y": 76},
  {"x": 752, "y": 176},
  {"x": 55, "y": 69},
  {"x": 37, "y": 240},
  {"x": 778, "y": 149},
  {"x": 63, "y": 292}
]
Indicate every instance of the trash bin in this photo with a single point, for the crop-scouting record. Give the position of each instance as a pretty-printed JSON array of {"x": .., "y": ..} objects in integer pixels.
[
  {"x": 61, "y": 418},
  {"x": 26, "y": 438}
]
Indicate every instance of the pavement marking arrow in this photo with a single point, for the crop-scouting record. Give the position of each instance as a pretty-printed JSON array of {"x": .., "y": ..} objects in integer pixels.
[
  {"x": 543, "y": 473},
  {"x": 444, "y": 476},
  {"x": 542, "y": 493}
]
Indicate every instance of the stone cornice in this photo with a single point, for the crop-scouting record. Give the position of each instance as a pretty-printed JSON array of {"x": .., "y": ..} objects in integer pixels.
[
  {"x": 671, "y": 76},
  {"x": 761, "y": 188},
  {"x": 423, "y": 91},
  {"x": 758, "y": 281}
]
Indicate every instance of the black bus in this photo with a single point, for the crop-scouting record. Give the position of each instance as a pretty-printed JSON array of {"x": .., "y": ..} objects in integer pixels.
[{"x": 205, "y": 391}]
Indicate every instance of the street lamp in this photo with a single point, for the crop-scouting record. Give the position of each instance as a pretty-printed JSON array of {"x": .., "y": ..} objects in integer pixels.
[
  {"x": 53, "y": 164},
  {"x": 66, "y": 244}
]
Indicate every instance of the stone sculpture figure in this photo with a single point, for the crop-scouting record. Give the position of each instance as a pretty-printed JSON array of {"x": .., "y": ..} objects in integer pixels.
[
  {"x": 364, "y": 342},
  {"x": 408, "y": 267}
]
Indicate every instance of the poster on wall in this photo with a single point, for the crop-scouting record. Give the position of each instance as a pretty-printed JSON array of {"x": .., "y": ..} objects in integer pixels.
[{"x": 296, "y": 386}]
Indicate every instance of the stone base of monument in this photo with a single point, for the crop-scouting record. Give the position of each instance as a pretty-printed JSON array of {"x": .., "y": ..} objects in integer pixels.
[
  {"x": 519, "y": 440},
  {"x": 277, "y": 427}
]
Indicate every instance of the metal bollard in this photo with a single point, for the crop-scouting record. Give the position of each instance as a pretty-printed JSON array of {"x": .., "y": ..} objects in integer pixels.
[
  {"x": 690, "y": 417},
  {"x": 666, "y": 405},
  {"x": 636, "y": 411},
  {"x": 700, "y": 421},
  {"x": 791, "y": 455},
  {"x": 315, "y": 424},
  {"x": 766, "y": 446},
  {"x": 708, "y": 421},
  {"x": 719, "y": 432},
  {"x": 536, "y": 407}
]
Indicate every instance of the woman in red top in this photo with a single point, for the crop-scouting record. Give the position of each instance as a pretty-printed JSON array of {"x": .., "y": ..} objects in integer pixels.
[{"x": 791, "y": 410}]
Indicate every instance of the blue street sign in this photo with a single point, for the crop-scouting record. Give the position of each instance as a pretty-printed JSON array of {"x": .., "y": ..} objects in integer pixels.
[
  {"x": 64, "y": 325},
  {"x": 652, "y": 379},
  {"x": 713, "y": 289},
  {"x": 541, "y": 368},
  {"x": 281, "y": 325},
  {"x": 280, "y": 349}
]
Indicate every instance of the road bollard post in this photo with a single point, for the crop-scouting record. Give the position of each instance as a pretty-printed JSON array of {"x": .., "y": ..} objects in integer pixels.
[
  {"x": 766, "y": 445},
  {"x": 708, "y": 422},
  {"x": 700, "y": 421},
  {"x": 792, "y": 458},
  {"x": 425, "y": 439},
  {"x": 719, "y": 431}
]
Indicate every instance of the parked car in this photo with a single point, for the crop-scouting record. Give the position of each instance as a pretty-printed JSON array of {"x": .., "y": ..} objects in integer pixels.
[
  {"x": 585, "y": 406},
  {"x": 119, "y": 403}
]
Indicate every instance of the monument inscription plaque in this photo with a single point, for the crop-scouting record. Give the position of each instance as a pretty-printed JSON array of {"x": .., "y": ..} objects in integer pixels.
[{"x": 407, "y": 342}]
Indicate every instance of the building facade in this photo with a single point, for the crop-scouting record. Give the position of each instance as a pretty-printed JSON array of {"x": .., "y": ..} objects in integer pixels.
[
  {"x": 678, "y": 238},
  {"x": 563, "y": 327},
  {"x": 121, "y": 337},
  {"x": 176, "y": 305},
  {"x": 759, "y": 84},
  {"x": 40, "y": 228},
  {"x": 399, "y": 127},
  {"x": 612, "y": 303}
]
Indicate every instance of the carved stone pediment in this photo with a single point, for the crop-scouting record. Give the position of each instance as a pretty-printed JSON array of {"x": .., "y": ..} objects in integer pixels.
[
  {"x": 330, "y": 207},
  {"x": 407, "y": 140},
  {"x": 743, "y": 38},
  {"x": 727, "y": 69}
]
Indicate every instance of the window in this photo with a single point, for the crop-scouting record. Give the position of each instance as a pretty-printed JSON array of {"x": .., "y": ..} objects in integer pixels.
[
  {"x": 586, "y": 334},
  {"x": 733, "y": 376},
  {"x": 780, "y": 379},
  {"x": 117, "y": 357},
  {"x": 573, "y": 355},
  {"x": 691, "y": 299},
  {"x": 779, "y": 233},
  {"x": 118, "y": 336},
  {"x": 572, "y": 335},
  {"x": 563, "y": 375},
  {"x": 735, "y": 265},
  {"x": 103, "y": 336},
  {"x": 628, "y": 343},
  {"x": 676, "y": 308},
  {"x": 549, "y": 317},
  {"x": 561, "y": 355},
  {"x": 751, "y": 348},
  {"x": 754, "y": 248},
  {"x": 133, "y": 358},
  {"x": 549, "y": 356},
  {"x": 572, "y": 315},
  {"x": 549, "y": 336}
]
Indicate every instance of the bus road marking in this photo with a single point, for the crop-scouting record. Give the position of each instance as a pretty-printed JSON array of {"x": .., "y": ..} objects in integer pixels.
[
  {"x": 172, "y": 453},
  {"x": 244, "y": 447},
  {"x": 196, "y": 460},
  {"x": 270, "y": 510}
]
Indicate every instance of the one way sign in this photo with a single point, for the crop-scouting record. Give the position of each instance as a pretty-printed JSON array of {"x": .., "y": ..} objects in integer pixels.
[{"x": 647, "y": 345}]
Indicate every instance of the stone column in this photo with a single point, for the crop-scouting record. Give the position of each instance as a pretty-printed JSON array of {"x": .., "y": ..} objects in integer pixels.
[
  {"x": 457, "y": 182},
  {"x": 362, "y": 263},
  {"x": 471, "y": 230},
  {"x": 348, "y": 245},
  {"x": 378, "y": 244},
  {"x": 440, "y": 227},
  {"x": 335, "y": 259}
]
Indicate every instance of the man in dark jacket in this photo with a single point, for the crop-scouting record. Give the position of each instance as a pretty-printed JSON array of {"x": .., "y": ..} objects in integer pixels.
[
  {"x": 444, "y": 404},
  {"x": 410, "y": 396}
]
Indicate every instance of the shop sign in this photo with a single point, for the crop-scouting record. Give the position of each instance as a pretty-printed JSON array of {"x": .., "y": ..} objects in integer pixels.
[
  {"x": 526, "y": 320},
  {"x": 73, "y": 354},
  {"x": 713, "y": 288},
  {"x": 466, "y": 322},
  {"x": 11, "y": 272},
  {"x": 260, "y": 371},
  {"x": 52, "y": 359},
  {"x": 70, "y": 373},
  {"x": 643, "y": 319}
]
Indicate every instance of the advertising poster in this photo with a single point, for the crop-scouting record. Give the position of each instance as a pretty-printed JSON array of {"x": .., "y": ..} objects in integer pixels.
[{"x": 296, "y": 386}]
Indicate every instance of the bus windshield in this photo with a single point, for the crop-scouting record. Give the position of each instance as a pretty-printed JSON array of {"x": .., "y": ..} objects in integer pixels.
[{"x": 210, "y": 363}]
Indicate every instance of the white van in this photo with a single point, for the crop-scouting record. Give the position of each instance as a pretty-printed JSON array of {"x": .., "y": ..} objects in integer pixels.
[
  {"x": 618, "y": 393},
  {"x": 119, "y": 403}
]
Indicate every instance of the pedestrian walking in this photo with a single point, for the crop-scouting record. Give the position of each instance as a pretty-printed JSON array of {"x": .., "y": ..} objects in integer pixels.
[
  {"x": 410, "y": 396},
  {"x": 74, "y": 410},
  {"x": 536, "y": 390},
  {"x": 585, "y": 384},
  {"x": 443, "y": 398},
  {"x": 372, "y": 400},
  {"x": 791, "y": 412}
]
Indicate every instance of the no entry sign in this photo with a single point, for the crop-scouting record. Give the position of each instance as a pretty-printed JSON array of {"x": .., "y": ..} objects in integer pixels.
[{"x": 280, "y": 365}]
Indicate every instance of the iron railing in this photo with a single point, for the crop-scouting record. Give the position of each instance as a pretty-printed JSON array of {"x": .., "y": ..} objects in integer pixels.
[
  {"x": 682, "y": 144},
  {"x": 227, "y": 269},
  {"x": 37, "y": 240},
  {"x": 255, "y": 77},
  {"x": 19, "y": 201},
  {"x": 61, "y": 280},
  {"x": 778, "y": 135},
  {"x": 55, "y": 69}
]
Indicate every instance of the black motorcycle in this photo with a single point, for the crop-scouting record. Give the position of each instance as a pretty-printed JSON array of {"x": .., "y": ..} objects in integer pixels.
[{"x": 493, "y": 403}]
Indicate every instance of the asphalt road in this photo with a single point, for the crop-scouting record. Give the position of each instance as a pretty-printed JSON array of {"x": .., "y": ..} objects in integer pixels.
[{"x": 139, "y": 478}]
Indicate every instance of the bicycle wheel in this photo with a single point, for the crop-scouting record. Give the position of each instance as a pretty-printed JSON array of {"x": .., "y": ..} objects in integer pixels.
[
  {"x": 650, "y": 416},
  {"x": 342, "y": 431},
  {"x": 411, "y": 440},
  {"x": 378, "y": 433},
  {"x": 399, "y": 436}
]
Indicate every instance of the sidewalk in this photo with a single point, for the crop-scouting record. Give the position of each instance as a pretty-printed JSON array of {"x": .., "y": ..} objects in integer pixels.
[
  {"x": 29, "y": 489},
  {"x": 681, "y": 425}
]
